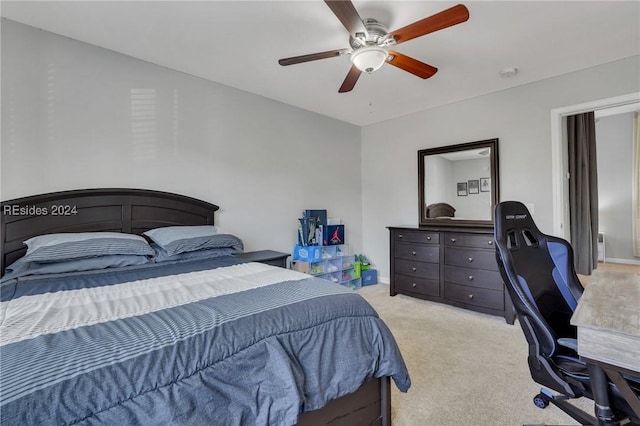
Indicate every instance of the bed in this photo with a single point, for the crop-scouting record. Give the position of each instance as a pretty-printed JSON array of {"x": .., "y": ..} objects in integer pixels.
[{"x": 198, "y": 341}]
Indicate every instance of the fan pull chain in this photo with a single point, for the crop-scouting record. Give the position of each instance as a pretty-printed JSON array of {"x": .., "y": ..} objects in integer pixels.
[{"x": 370, "y": 89}]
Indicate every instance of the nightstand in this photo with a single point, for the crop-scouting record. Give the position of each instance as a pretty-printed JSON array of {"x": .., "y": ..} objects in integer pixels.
[{"x": 270, "y": 257}]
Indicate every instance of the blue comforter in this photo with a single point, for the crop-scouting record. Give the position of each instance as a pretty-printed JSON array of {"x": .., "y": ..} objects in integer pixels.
[{"x": 182, "y": 343}]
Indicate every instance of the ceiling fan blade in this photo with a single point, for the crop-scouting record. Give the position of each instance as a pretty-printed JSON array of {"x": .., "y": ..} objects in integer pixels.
[
  {"x": 411, "y": 65},
  {"x": 351, "y": 79},
  {"x": 347, "y": 14},
  {"x": 452, "y": 16},
  {"x": 312, "y": 57}
]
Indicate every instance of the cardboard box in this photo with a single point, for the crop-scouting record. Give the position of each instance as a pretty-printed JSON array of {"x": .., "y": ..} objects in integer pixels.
[
  {"x": 317, "y": 223},
  {"x": 369, "y": 277},
  {"x": 335, "y": 234}
]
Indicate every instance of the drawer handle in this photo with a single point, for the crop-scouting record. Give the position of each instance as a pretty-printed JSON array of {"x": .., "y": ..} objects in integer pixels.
[
  {"x": 414, "y": 285},
  {"x": 413, "y": 269},
  {"x": 453, "y": 240},
  {"x": 491, "y": 242},
  {"x": 428, "y": 238},
  {"x": 413, "y": 253},
  {"x": 471, "y": 296},
  {"x": 470, "y": 277},
  {"x": 400, "y": 236},
  {"x": 471, "y": 259}
]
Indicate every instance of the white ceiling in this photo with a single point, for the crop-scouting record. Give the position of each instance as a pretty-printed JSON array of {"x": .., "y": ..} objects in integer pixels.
[{"x": 238, "y": 43}]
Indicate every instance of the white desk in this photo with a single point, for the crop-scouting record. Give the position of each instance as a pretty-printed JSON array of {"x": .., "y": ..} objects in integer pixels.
[{"x": 608, "y": 322}]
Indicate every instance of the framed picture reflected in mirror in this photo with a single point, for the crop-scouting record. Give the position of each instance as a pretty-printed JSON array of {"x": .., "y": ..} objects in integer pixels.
[
  {"x": 474, "y": 186},
  {"x": 462, "y": 189},
  {"x": 485, "y": 184}
]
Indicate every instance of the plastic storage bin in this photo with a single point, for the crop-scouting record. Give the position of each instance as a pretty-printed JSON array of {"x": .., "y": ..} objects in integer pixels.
[
  {"x": 355, "y": 284},
  {"x": 348, "y": 262},
  {"x": 308, "y": 253},
  {"x": 332, "y": 263}
]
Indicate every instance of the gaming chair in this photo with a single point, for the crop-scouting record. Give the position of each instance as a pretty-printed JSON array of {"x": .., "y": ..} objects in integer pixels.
[{"x": 538, "y": 271}]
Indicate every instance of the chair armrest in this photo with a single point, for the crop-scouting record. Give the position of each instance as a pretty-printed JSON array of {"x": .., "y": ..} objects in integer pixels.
[{"x": 569, "y": 343}]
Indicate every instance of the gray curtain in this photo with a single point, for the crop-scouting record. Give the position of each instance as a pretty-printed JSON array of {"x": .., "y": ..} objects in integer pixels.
[{"x": 583, "y": 191}]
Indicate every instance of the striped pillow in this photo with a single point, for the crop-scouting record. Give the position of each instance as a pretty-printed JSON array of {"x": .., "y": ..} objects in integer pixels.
[
  {"x": 182, "y": 239},
  {"x": 21, "y": 268},
  {"x": 66, "y": 246}
]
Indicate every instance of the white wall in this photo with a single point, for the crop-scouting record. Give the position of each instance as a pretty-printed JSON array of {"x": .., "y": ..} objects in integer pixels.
[
  {"x": 519, "y": 117},
  {"x": 437, "y": 171},
  {"x": 614, "y": 140},
  {"x": 78, "y": 116},
  {"x": 476, "y": 205}
]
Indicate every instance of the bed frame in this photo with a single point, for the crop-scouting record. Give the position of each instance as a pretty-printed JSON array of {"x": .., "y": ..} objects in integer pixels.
[{"x": 135, "y": 211}]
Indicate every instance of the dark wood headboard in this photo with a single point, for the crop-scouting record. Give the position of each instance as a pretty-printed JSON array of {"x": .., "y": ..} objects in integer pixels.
[{"x": 88, "y": 210}]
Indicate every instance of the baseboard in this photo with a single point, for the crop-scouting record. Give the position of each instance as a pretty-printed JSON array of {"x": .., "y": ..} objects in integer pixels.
[
  {"x": 384, "y": 280},
  {"x": 623, "y": 261}
]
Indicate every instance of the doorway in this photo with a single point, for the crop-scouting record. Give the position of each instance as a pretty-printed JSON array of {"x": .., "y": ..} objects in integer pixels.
[{"x": 616, "y": 105}]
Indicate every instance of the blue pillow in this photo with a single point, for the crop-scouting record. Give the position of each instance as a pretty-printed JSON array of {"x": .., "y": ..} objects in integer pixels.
[
  {"x": 162, "y": 255},
  {"x": 182, "y": 239},
  {"x": 68, "y": 246},
  {"x": 22, "y": 267}
]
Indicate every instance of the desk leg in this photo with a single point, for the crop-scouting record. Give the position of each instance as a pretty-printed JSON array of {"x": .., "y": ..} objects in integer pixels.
[
  {"x": 623, "y": 386},
  {"x": 600, "y": 389}
]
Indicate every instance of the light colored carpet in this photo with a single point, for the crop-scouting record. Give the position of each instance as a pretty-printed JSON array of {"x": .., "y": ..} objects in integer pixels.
[{"x": 466, "y": 368}]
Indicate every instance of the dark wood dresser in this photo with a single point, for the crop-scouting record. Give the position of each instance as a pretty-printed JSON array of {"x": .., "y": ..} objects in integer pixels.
[{"x": 456, "y": 266}]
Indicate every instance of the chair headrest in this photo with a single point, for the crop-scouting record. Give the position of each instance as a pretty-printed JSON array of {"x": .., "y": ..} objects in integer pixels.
[{"x": 513, "y": 215}]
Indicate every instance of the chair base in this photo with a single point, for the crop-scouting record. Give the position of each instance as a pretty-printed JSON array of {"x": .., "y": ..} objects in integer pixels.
[{"x": 545, "y": 397}]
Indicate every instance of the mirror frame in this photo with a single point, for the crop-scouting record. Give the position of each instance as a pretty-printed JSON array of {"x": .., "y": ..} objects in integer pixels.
[{"x": 495, "y": 183}]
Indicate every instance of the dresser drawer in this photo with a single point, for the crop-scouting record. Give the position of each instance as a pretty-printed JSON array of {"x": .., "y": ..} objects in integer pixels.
[
  {"x": 417, "y": 237},
  {"x": 482, "y": 297},
  {"x": 417, "y": 269},
  {"x": 469, "y": 240},
  {"x": 474, "y": 277},
  {"x": 470, "y": 258},
  {"x": 417, "y": 285},
  {"x": 420, "y": 252}
]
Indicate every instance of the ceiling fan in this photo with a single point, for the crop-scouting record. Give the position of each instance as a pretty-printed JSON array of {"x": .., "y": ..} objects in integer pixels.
[{"x": 370, "y": 42}]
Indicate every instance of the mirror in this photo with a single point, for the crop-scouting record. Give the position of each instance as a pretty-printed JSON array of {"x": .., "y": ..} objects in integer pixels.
[{"x": 458, "y": 184}]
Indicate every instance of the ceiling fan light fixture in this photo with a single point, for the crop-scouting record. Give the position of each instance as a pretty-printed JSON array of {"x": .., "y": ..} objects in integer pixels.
[{"x": 369, "y": 59}]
